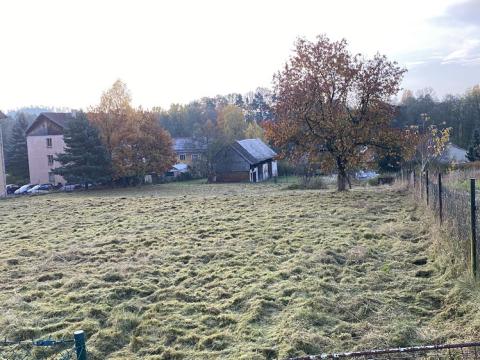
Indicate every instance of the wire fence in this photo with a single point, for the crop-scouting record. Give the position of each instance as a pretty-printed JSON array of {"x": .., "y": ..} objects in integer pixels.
[
  {"x": 48, "y": 349},
  {"x": 453, "y": 200},
  {"x": 440, "y": 352}
]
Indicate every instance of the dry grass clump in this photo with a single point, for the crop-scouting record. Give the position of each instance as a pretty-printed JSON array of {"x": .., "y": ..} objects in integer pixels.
[{"x": 241, "y": 271}]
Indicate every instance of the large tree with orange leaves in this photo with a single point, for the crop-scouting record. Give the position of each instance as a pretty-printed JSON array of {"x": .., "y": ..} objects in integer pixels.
[
  {"x": 135, "y": 141},
  {"x": 332, "y": 105}
]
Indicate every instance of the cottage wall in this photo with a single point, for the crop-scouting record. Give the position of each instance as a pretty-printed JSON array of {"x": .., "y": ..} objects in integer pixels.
[
  {"x": 229, "y": 160},
  {"x": 189, "y": 157},
  {"x": 274, "y": 168},
  {"x": 237, "y": 176}
]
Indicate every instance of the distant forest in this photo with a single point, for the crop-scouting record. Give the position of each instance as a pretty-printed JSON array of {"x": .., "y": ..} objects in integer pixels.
[{"x": 460, "y": 112}]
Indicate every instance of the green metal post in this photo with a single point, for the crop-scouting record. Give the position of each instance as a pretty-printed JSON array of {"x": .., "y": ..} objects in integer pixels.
[
  {"x": 426, "y": 185},
  {"x": 440, "y": 200},
  {"x": 473, "y": 219},
  {"x": 80, "y": 344}
]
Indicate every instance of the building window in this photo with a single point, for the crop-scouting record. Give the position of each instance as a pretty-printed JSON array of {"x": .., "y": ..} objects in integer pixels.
[
  {"x": 194, "y": 156},
  {"x": 49, "y": 142},
  {"x": 182, "y": 157},
  {"x": 51, "y": 178},
  {"x": 50, "y": 159}
]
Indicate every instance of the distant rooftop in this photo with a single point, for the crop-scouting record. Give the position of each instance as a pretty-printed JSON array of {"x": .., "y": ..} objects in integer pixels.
[
  {"x": 187, "y": 144},
  {"x": 254, "y": 150},
  {"x": 61, "y": 119},
  {"x": 453, "y": 154}
]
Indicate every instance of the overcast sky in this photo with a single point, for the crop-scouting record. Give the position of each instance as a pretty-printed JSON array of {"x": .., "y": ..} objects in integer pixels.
[{"x": 64, "y": 53}]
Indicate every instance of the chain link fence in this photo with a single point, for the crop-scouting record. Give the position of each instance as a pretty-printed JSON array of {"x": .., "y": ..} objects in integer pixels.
[
  {"x": 64, "y": 349},
  {"x": 453, "y": 201},
  {"x": 440, "y": 352}
]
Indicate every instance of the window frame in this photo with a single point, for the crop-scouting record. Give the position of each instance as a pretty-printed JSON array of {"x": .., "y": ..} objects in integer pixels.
[
  {"x": 50, "y": 157},
  {"x": 49, "y": 143}
]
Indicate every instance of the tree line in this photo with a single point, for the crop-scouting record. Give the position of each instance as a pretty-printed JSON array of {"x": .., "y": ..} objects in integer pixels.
[{"x": 461, "y": 113}]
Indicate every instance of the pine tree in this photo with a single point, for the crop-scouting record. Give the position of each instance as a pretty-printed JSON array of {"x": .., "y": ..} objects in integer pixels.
[
  {"x": 16, "y": 151},
  {"x": 85, "y": 159},
  {"x": 473, "y": 153}
]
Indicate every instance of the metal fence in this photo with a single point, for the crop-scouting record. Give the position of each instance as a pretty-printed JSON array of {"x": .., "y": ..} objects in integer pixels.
[
  {"x": 440, "y": 352},
  {"x": 455, "y": 206},
  {"x": 47, "y": 349}
]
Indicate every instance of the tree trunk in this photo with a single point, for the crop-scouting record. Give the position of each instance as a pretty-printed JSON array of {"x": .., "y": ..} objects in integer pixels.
[
  {"x": 342, "y": 177},
  {"x": 342, "y": 181}
]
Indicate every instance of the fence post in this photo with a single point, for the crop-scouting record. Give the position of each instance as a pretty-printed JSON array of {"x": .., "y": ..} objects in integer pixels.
[
  {"x": 440, "y": 200},
  {"x": 414, "y": 182},
  {"x": 473, "y": 219},
  {"x": 426, "y": 184},
  {"x": 80, "y": 345}
]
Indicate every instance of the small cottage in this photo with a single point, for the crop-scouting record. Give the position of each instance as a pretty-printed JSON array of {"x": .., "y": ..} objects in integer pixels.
[{"x": 246, "y": 160}]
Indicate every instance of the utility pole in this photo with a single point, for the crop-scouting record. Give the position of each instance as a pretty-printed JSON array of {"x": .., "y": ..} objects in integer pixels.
[{"x": 3, "y": 175}]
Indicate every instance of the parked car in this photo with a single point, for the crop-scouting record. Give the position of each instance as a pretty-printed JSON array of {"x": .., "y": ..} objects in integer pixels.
[
  {"x": 11, "y": 188},
  {"x": 23, "y": 189},
  {"x": 41, "y": 189},
  {"x": 70, "y": 187},
  {"x": 365, "y": 175}
]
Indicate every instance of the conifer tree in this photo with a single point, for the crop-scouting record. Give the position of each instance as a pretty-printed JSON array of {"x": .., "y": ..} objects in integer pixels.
[
  {"x": 85, "y": 159},
  {"x": 16, "y": 151},
  {"x": 473, "y": 153}
]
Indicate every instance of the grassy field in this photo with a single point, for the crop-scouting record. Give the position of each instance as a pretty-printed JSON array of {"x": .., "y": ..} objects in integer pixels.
[{"x": 227, "y": 271}]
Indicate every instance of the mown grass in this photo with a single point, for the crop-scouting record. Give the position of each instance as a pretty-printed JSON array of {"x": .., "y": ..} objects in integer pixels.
[{"x": 241, "y": 271}]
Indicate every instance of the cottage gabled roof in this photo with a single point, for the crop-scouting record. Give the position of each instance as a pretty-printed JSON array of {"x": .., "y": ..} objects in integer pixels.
[
  {"x": 61, "y": 119},
  {"x": 253, "y": 150},
  {"x": 187, "y": 145},
  {"x": 2, "y": 115}
]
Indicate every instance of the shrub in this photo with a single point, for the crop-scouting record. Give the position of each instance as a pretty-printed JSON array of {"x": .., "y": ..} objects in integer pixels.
[{"x": 311, "y": 183}]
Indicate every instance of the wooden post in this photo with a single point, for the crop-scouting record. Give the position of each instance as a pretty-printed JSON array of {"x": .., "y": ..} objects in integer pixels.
[
  {"x": 413, "y": 180},
  {"x": 426, "y": 185},
  {"x": 440, "y": 200},
  {"x": 80, "y": 345},
  {"x": 473, "y": 219}
]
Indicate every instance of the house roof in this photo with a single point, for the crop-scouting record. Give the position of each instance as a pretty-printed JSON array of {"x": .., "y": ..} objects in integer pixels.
[
  {"x": 187, "y": 145},
  {"x": 453, "y": 154},
  {"x": 2, "y": 116},
  {"x": 253, "y": 150},
  {"x": 61, "y": 119}
]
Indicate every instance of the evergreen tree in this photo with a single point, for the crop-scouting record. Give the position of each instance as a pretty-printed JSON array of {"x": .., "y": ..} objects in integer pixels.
[
  {"x": 473, "y": 153},
  {"x": 16, "y": 151},
  {"x": 85, "y": 159}
]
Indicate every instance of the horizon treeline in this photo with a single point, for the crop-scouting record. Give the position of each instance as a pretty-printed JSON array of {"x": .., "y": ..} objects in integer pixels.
[{"x": 238, "y": 115}]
